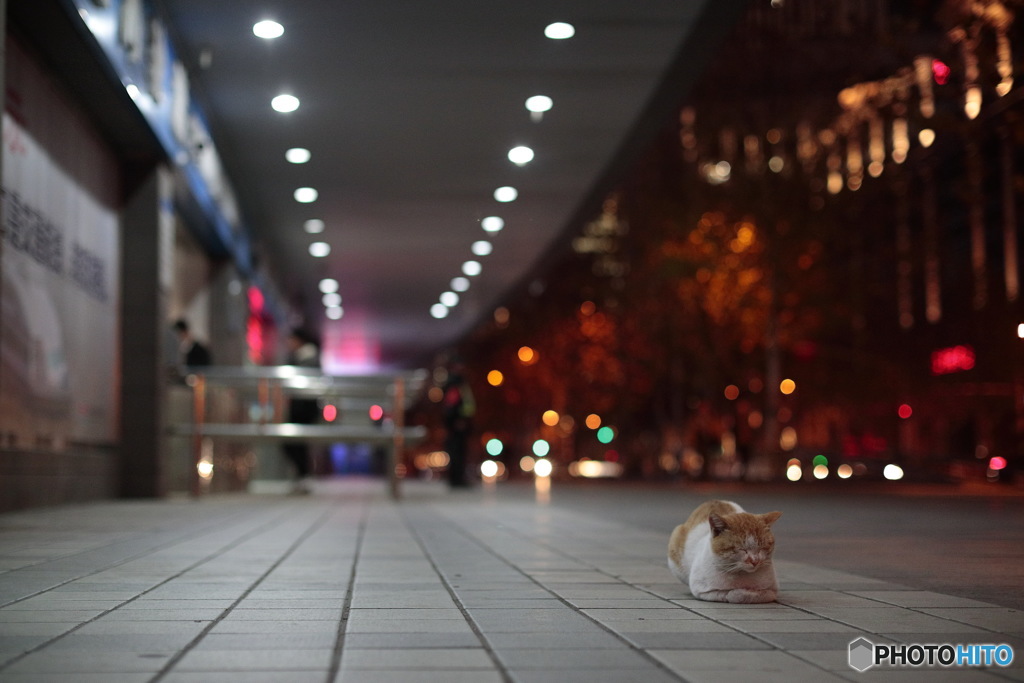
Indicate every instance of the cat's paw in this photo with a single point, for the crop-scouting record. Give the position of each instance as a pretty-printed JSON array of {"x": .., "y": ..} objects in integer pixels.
[
  {"x": 712, "y": 596},
  {"x": 750, "y": 597}
]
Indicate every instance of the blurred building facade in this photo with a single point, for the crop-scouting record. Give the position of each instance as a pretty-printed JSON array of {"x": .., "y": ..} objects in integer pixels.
[{"x": 819, "y": 259}]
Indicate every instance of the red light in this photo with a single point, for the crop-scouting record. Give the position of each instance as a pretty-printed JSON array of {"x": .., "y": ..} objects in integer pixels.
[
  {"x": 905, "y": 411},
  {"x": 997, "y": 463},
  {"x": 376, "y": 413},
  {"x": 611, "y": 456},
  {"x": 953, "y": 359},
  {"x": 940, "y": 71},
  {"x": 330, "y": 413}
]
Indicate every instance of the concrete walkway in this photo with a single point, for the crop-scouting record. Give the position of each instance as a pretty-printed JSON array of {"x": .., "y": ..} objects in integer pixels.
[{"x": 345, "y": 585}]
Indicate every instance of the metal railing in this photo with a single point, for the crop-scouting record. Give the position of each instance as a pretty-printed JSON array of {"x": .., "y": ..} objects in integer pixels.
[{"x": 265, "y": 392}]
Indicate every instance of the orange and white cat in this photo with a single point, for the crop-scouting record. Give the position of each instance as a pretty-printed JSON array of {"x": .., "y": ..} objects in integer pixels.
[{"x": 725, "y": 554}]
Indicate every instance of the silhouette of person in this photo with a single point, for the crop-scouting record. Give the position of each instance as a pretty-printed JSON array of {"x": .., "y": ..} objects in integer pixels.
[
  {"x": 192, "y": 353},
  {"x": 303, "y": 351},
  {"x": 459, "y": 408}
]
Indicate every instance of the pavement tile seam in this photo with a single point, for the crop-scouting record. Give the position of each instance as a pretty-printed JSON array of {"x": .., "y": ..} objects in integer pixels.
[
  {"x": 653, "y": 664},
  {"x": 822, "y": 600},
  {"x": 310, "y": 529},
  {"x": 760, "y": 629},
  {"x": 188, "y": 536},
  {"x": 421, "y": 544},
  {"x": 121, "y": 602}
]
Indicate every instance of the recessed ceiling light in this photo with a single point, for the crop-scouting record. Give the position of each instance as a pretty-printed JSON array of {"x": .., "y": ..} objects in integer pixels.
[
  {"x": 306, "y": 195},
  {"x": 506, "y": 194},
  {"x": 328, "y": 286},
  {"x": 298, "y": 155},
  {"x": 559, "y": 30},
  {"x": 334, "y": 312},
  {"x": 450, "y": 299},
  {"x": 285, "y": 103},
  {"x": 319, "y": 249},
  {"x": 313, "y": 226},
  {"x": 331, "y": 299},
  {"x": 482, "y": 248},
  {"x": 268, "y": 29},
  {"x": 492, "y": 224},
  {"x": 460, "y": 284},
  {"x": 539, "y": 104},
  {"x": 472, "y": 268},
  {"x": 521, "y": 155},
  {"x": 439, "y": 311}
]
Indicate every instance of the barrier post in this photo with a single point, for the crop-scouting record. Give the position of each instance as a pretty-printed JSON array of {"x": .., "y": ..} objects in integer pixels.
[
  {"x": 198, "y": 383},
  {"x": 398, "y": 443}
]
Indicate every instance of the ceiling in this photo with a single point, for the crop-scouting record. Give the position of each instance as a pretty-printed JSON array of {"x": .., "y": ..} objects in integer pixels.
[{"x": 409, "y": 110}]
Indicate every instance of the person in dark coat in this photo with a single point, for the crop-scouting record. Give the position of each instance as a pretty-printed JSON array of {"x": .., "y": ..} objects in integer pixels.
[{"x": 193, "y": 354}]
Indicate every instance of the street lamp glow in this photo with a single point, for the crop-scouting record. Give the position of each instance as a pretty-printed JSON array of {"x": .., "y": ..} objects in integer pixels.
[
  {"x": 285, "y": 103},
  {"x": 559, "y": 31},
  {"x": 539, "y": 104},
  {"x": 492, "y": 224},
  {"x": 893, "y": 472},
  {"x": 543, "y": 468},
  {"x": 506, "y": 194},
  {"x": 521, "y": 155},
  {"x": 267, "y": 29}
]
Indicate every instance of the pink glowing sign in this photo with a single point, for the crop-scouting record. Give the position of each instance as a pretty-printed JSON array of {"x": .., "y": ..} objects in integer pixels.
[{"x": 952, "y": 359}]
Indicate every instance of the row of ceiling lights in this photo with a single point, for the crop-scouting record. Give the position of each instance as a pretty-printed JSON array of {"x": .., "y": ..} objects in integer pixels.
[
  {"x": 520, "y": 156},
  {"x": 285, "y": 103}
]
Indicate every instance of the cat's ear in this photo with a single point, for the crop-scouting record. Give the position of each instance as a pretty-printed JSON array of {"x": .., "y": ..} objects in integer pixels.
[
  {"x": 718, "y": 524},
  {"x": 771, "y": 517}
]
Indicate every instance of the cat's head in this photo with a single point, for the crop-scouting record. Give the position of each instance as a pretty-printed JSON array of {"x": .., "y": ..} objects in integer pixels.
[{"x": 742, "y": 542}]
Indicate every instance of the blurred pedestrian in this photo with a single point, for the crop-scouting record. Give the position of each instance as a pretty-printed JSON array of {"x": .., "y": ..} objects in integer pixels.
[
  {"x": 459, "y": 409},
  {"x": 191, "y": 353},
  {"x": 303, "y": 351}
]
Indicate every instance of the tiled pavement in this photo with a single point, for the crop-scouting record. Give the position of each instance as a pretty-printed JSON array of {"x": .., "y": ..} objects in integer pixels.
[{"x": 347, "y": 586}]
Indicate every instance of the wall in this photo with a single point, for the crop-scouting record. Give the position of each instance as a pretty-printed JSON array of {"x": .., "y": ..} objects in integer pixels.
[{"x": 59, "y": 298}]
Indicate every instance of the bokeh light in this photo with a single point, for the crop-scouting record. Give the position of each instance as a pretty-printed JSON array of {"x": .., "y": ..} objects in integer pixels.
[
  {"x": 543, "y": 468},
  {"x": 893, "y": 472}
]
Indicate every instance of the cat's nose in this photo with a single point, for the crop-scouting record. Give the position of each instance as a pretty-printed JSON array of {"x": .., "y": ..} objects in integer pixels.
[{"x": 753, "y": 561}]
